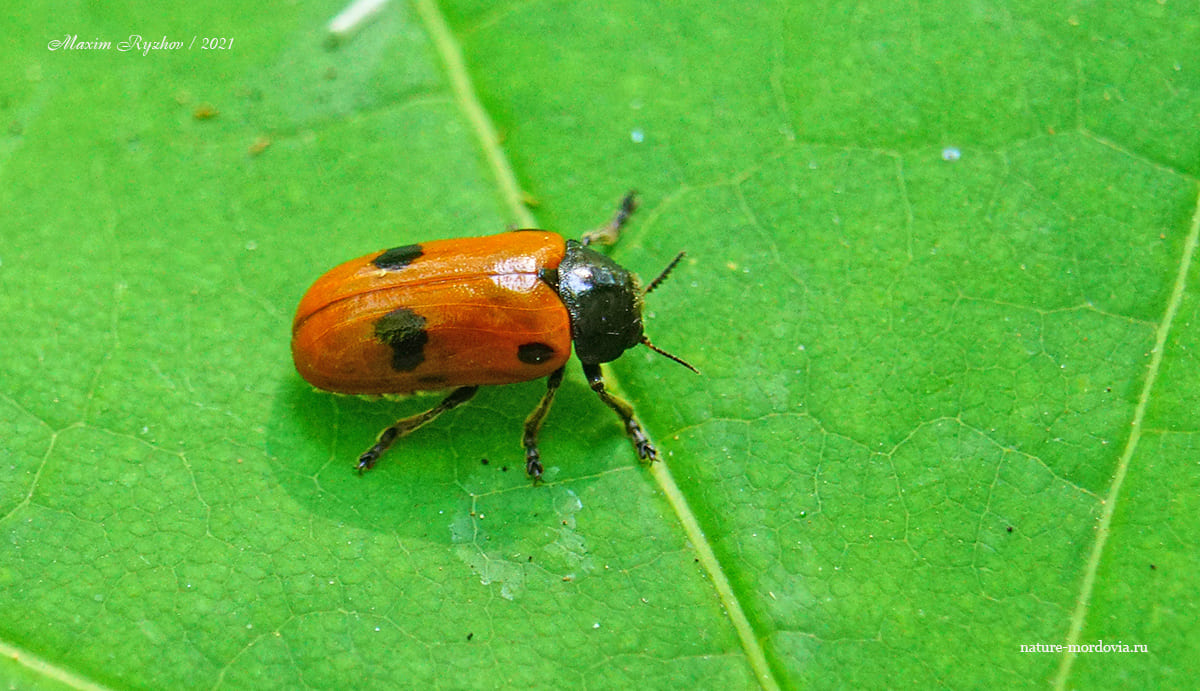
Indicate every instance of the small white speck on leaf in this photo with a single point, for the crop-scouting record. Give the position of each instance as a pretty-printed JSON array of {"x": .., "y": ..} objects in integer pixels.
[
  {"x": 352, "y": 18},
  {"x": 951, "y": 153}
]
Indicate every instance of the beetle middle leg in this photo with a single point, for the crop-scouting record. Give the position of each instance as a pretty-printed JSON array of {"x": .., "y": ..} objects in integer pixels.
[
  {"x": 408, "y": 425},
  {"x": 533, "y": 423},
  {"x": 633, "y": 428}
]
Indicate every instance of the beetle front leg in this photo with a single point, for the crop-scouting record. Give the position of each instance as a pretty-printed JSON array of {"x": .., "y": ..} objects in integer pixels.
[
  {"x": 633, "y": 428},
  {"x": 608, "y": 233},
  {"x": 533, "y": 423},
  {"x": 408, "y": 425}
]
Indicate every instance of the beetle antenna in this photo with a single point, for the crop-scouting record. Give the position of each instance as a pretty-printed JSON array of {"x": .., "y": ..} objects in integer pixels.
[
  {"x": 646, "y": 342},
  {"x": 663, "y": 276}
]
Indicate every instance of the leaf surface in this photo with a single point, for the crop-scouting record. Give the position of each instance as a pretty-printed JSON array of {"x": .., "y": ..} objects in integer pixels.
[{"x": 941, "y": 284}]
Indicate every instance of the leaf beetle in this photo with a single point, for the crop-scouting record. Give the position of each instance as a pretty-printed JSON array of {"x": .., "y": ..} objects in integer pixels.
[{"x": 464, "y": 313}]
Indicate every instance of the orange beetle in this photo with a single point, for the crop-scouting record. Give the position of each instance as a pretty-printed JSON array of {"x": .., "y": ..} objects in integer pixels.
[{"x": 473, "y": 312}]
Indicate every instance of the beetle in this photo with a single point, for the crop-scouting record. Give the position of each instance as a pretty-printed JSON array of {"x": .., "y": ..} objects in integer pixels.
[{"x": 464, "y": 313}]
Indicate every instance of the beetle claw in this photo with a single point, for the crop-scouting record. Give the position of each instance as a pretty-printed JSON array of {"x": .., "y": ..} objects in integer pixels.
[
  {"x": 533, "y": 464},
  {"x": 367, "y": 460},
  {"x": 646, "y": 450}
]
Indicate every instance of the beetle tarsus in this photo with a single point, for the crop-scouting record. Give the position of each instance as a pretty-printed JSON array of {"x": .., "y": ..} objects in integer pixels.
[
  {"x": 608, "y": 233},
  {"x": 533, "y": 423},
  {"x": 646, "y": 450},
  {"x": 533, "y": 463},
  {"x": 641, "y": 443},
  {"x": 369, "y": 458}
]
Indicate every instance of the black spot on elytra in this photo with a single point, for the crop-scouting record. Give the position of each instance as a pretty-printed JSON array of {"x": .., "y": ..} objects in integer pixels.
[
  {"x": 433, "y": 379},
  {"x": 404, "y": 331},
  {"x": 534, "y": 353},
  {"x": 398, "y": 257}
]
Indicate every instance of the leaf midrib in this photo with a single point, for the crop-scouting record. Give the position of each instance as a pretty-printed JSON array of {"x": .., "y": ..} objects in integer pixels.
[
  {"x": 450, "y": 53},
  {"x": 1103, "y": 531}
]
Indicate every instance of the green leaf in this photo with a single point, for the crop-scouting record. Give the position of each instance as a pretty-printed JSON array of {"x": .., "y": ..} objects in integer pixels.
[{"x": 941, "y": 283}]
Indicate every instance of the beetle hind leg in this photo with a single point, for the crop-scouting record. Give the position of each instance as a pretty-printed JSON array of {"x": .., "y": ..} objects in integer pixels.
[
  {"x": 533, "y": 423},
  {"x": 645, "y": 450},
  {"x": 402, "y": 428}
]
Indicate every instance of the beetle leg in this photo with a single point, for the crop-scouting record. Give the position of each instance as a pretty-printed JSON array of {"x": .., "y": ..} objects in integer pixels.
[
  {"x": 608, "y": 233},
  {"x": 645, "y": 449},
  {"x": 403, "y": 428},
  {"x": 533, "y": 423}
]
